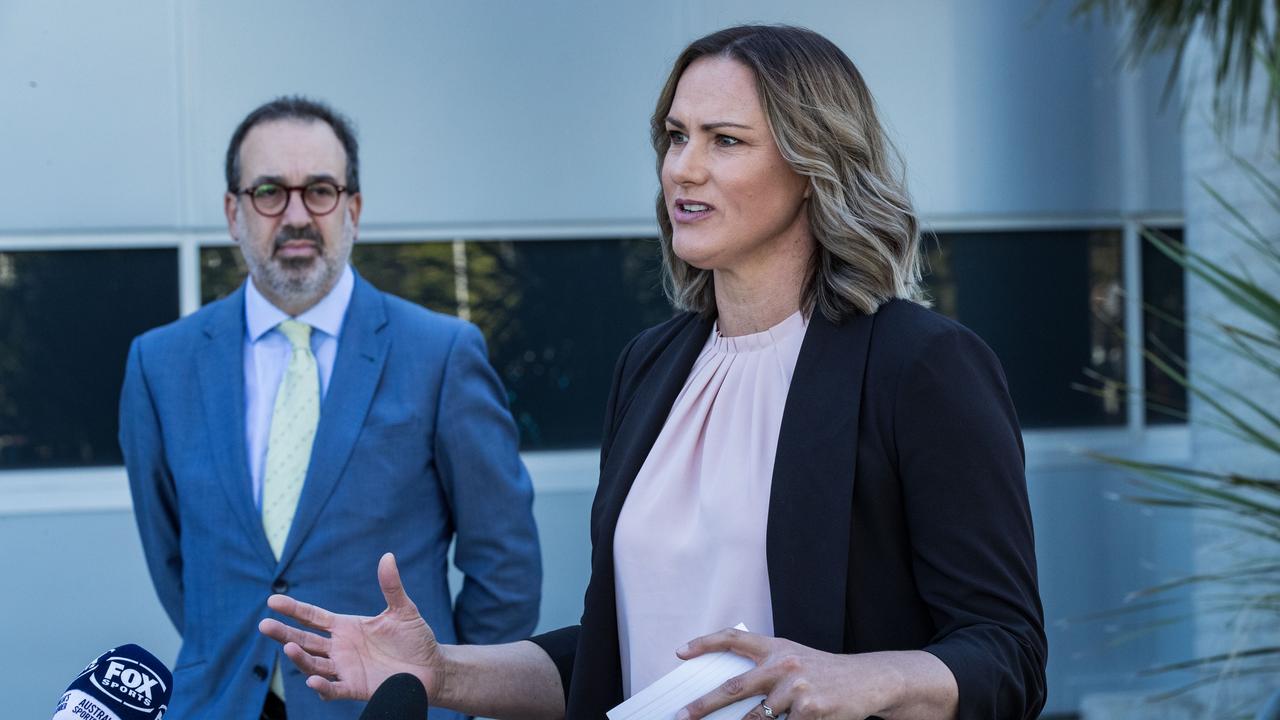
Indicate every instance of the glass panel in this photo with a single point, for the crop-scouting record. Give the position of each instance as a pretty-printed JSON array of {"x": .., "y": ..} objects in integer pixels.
[
  {"x": 66, "y": 320},
  {"x": 555, "y": 314},
  {"x": 1050, "y": 304},
  {"x": 1163, "y": 319},
  {"x": 222, "y": 269},
  {"x": 422, "y": 272}
]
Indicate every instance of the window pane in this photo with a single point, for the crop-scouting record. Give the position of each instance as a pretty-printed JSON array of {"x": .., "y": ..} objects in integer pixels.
[
  {"x": 422, "y": 272},
  {"x": 1164, "y": 315},
  {"x": 222, "y": 269},
  {"x": 66, "y": 320},
  {"x": 1050, "y": 304},
  {"x": 555, "y": 314}
]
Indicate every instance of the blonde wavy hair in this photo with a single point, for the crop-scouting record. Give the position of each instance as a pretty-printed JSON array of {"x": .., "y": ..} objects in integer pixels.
[{"x": 823, "y": 119}]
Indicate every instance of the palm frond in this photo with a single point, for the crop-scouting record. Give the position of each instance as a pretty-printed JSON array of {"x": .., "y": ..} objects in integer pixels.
[
  {"x": 1241, "y": 36},
  {"x": 1235, "y": 29},
  {"x": 1247, "y": 296},
  {"x": 1199, "y": 662},
  {"x": 1208, "y": 679}
]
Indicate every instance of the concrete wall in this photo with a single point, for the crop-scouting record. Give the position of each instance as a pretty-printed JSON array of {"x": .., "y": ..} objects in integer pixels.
[
  {"x": 76, "y": 585},
  {"x": 473, "y": 115}
]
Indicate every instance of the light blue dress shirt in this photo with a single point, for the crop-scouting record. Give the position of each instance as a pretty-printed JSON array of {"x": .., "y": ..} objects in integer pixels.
[{"x": 266, "y": 355}]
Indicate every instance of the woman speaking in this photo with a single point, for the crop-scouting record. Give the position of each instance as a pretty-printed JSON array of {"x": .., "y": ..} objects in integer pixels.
[{"x": 805, "y": 449}]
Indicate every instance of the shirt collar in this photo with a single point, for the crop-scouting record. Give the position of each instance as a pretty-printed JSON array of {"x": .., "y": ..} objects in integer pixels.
[{"x": 326, "y": 316}]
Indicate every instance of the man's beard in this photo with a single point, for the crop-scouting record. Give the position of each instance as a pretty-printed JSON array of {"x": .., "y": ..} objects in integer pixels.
[{"x": 300, "y": 280}]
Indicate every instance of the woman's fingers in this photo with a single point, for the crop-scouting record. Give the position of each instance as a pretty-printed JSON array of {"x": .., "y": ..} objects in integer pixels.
[
  {"x": 749, "y": 684},
  {"x": 747, "y": 644},
  {"x": 398, "y": 602},
  {"x": 776, "y": 703},
  {"x": 759, "y": 681},
  {"x": 283, "y": 634},
  {"x": 310, "y": 663},
  {"x": 312, "y": 616},
  {"x": 327, "y": 689},
  {"x": 757, "y": 711},
  {"x": 779, "y": 676}
]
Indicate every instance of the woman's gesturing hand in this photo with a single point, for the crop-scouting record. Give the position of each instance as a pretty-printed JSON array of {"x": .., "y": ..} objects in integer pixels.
[
  {"x": 808, "y": 684},
  {"x": 359, "y": 652}
]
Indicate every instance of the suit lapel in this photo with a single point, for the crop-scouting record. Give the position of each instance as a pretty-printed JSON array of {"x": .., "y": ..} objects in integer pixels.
[
  {"x": 811, "y": 500},
  {"x": 220, "y": 368},
  {"x": 357, "y": 369},
  {"x": 597, "y": 671},
  {"x": 643, "y": 418}
]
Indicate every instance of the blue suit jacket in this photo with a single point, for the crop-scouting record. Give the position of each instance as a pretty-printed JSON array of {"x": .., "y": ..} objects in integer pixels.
[{"x": 415, "y": 446}]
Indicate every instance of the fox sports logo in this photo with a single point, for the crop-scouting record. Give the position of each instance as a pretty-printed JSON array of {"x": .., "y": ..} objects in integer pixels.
[{"x": 129, "y": 682}]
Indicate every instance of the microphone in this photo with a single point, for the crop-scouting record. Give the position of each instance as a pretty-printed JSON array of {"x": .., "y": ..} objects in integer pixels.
[
  {"x": 123, "y": 683},
  {"x": 399, "y": 697}
]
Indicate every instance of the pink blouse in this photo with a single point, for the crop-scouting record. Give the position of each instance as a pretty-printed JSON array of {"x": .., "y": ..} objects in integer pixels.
[{"x": 689, "y": 548}]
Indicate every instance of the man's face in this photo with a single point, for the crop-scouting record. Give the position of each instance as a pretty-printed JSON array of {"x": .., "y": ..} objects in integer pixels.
[{"x": 296, "y": 257}]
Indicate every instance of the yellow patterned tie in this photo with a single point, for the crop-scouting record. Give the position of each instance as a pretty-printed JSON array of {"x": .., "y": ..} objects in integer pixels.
[{"x": 293, "y": 430}]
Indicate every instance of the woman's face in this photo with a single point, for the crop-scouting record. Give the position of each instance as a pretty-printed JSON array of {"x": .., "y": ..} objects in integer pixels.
[{"x": 734, "y": 203}]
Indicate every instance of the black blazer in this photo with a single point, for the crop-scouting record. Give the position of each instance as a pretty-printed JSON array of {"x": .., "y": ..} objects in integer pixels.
[{"x": 898, "y": 515}]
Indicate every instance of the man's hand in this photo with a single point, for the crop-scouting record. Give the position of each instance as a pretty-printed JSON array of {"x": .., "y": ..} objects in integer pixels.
[{"x": 359, "y": 652}]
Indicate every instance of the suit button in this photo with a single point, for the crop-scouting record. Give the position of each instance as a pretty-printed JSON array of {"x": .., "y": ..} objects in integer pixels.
[
  {"x": 280, "y": 586},
  {"x": 259, "y": 672}
]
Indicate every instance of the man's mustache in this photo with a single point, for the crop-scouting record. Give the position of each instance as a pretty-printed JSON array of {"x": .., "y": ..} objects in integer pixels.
[{"x": 298, "y": 233}]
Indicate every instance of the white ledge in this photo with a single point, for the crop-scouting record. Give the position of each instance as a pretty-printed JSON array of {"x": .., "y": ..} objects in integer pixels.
[{"x": 106, "y": 489}]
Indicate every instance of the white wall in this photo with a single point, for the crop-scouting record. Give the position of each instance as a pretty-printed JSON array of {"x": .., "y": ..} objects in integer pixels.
[
  {"x": 114, "y": 117},
  {"x": 473, "y": 113}
]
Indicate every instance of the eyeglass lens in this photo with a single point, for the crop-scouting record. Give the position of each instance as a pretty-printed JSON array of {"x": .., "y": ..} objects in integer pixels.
[{"x": 319, "y": 197}]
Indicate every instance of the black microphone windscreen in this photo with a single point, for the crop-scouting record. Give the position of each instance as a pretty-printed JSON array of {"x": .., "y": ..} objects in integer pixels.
[{"x": 399, "y": 697}]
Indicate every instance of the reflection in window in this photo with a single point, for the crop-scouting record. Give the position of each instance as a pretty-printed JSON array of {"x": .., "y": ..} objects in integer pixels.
[
  {"x": 222, "y": 269},
  {"x": 1050, "y": 304},
  {"x": 1163, "y": 319},
  {"x": 555, "y": 314},
  {"x": 66, "y": 320}
]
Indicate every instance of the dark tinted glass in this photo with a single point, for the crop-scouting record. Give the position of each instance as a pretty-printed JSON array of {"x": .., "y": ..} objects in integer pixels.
[
  {"x": 422, "y": 272},
  {"x": 1050, "y": 304},
  {"x": 1164, "y": 315},
  {"x": 554, "y": 313},
  {"x": 222, "y": 269},
  {"x": 66, "y": 320}
]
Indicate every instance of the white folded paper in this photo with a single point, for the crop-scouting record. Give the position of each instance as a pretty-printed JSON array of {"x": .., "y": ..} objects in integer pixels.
[{"x": 689, "y": 681}]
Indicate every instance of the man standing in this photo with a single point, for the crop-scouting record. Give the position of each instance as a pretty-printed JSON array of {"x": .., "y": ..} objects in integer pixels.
[{"x": 307, "y": 424}]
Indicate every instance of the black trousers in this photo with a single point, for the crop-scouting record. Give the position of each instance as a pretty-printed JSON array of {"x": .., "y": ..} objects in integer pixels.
[{"x": 273, "y": 708}]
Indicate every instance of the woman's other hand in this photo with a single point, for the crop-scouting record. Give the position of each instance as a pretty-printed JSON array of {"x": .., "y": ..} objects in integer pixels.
[
  {"x": 359, "y": 652},
  {"x": 808, "y": 684}
]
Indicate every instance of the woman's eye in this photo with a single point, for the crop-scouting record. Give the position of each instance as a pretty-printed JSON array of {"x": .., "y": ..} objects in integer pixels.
[
  {"x": 726, "y": 141},
  {"x": 676, "y": 137}
]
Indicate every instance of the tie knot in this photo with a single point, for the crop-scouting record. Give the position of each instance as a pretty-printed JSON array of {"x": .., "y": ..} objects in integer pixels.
[{"x": 299, "y": 334}]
